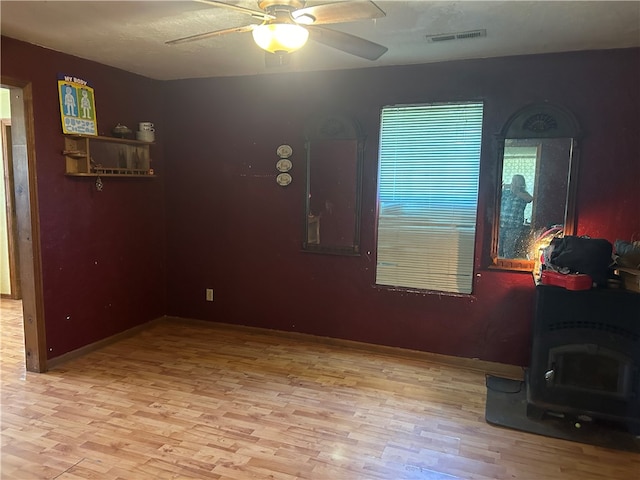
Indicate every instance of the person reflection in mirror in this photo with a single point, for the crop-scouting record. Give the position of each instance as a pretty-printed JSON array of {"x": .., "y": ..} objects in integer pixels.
[{"x": 514, "y": 200}]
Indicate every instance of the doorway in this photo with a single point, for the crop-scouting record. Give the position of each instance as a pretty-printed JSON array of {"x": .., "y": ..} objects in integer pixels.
[{"x": 27, "y": 269}]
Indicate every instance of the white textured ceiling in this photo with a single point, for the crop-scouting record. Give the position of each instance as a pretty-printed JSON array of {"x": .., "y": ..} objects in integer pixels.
[{"x": 131, "y": 35}]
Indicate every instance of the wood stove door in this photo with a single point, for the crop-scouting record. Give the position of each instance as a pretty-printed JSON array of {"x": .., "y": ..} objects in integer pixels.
[{"x": 589, "y": 368}]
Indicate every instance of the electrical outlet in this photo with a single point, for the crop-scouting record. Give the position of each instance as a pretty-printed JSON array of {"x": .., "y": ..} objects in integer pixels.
[{"x": 209, "y": 294}]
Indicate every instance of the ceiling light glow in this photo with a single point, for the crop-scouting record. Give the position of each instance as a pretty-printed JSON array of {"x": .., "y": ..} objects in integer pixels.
[{"x": 280, "y": 37}]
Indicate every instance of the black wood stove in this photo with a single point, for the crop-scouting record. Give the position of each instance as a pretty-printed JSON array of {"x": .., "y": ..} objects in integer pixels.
[{"x": 585, "y": 359}]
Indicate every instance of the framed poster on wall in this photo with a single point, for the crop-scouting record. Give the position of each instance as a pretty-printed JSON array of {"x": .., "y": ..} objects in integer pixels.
[{"x": 77, "y": 106}]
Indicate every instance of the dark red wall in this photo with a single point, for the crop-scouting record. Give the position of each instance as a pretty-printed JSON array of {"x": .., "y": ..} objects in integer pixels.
[
  {"x": 103, "y": 253},
  {"x": 232, "y": 228}
]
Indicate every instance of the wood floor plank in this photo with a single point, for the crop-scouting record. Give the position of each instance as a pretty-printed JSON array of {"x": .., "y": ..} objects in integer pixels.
[{"x": 190, "y": 400}]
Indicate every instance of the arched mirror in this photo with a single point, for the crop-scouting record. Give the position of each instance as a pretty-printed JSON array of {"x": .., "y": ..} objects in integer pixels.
[
  {"x": 538, "y": 160},
  {"x": 335, "y": 146}
]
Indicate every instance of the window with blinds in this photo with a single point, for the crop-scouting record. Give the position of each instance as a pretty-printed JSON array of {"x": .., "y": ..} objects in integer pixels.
[{"x": 428, "y": 195}]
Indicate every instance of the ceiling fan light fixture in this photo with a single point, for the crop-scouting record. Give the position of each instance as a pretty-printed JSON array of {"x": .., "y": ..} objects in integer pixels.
[{"x": 280, "y": 37}]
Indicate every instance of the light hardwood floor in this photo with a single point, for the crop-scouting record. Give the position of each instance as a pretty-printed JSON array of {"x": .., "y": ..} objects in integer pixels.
[{"x": 185, "y": 400}]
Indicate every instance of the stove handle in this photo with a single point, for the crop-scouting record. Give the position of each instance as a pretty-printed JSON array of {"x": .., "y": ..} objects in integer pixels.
[{"x": 549, "y": 375}]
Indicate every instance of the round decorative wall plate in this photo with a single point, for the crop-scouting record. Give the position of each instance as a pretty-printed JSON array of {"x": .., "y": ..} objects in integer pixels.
[
  {"x": 283, "y": 179},
  {"x": 284, "y": 165},
  {"x": 284, "y": 151}
]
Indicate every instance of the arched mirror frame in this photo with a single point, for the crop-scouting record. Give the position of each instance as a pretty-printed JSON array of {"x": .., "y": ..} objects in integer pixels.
[
  {"x": 323, "y": 128},
  {"x": 537, "y": 121}
]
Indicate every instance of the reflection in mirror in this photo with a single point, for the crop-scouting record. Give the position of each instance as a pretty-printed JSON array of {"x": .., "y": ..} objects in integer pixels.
[
  {"x": 334, "y": 150},
  {"x": 535, "y": 202},
  {"x": 534, "y": 193}
]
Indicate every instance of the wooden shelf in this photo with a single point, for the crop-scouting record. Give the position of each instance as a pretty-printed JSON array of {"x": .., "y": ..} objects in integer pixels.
[
  {"x": 109, "y": 173},
  {"x": 92, "y": 156},
  {"x": 98, "y": 138},
  {"x": 75, "y": 154}
]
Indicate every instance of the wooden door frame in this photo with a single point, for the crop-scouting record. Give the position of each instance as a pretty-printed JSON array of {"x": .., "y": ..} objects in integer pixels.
[
  {"x": 12, "y": 238},
  {"x": 27, "y": 221}
]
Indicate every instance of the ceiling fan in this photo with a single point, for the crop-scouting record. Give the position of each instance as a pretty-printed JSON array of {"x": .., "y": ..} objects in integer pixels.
[{"x": 287, "y": 24}]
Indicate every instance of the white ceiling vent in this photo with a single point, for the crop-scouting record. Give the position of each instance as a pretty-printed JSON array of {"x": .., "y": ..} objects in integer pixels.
[{"x": 444, "y": 37}]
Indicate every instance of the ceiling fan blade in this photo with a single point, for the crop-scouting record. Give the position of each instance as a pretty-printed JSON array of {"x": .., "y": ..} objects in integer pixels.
[
  {"x": 347, "y": 43},
  {"x": 217, "y": 33},
  {"x": 338, "y": 12},
  {"x": 253, "y": 13},
  {"x": 276, "y": 59}
]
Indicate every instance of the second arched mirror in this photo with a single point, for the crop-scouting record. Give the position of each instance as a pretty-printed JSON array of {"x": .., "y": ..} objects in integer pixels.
[
  {"x": 538, "y": 160},
  {"x": 335, "y": 146}
]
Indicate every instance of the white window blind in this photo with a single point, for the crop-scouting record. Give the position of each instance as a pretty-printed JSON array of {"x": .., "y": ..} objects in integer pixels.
[{"x": 428, "y": 195}]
